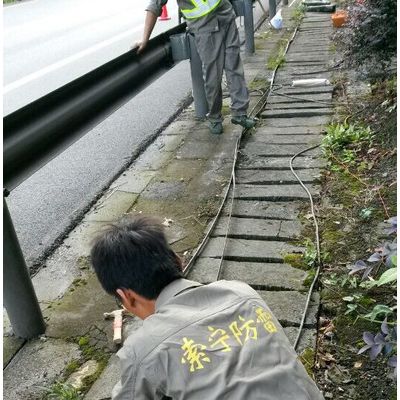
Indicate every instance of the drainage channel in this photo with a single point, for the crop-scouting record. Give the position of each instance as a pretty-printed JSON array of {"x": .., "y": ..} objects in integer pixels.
[{"x": 255, "y": 233}]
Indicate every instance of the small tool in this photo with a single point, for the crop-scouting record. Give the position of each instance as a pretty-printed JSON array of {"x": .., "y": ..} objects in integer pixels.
[{"x": 117, "y": 324}]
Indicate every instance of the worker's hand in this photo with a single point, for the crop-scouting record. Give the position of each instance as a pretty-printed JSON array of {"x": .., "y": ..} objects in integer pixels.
[{"x": 139, "y": 46}]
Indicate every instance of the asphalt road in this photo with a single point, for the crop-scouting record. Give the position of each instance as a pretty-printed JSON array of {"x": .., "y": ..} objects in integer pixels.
[{"x": 49, "y": 43}]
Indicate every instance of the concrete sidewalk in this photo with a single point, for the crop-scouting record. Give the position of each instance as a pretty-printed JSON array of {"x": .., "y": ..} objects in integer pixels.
[{"x": 181, "y": 178}]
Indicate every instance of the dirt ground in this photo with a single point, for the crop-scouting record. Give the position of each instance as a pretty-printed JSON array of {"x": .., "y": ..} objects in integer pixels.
[{"x": 359, "y": 193}]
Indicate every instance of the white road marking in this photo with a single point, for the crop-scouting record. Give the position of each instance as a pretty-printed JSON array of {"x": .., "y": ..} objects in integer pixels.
[
  {"x": 50, "y": 68},
  {"x": 290, "y": 5}
]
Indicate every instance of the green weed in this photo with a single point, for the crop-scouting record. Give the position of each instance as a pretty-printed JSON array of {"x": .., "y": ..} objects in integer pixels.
[
  {"x": 341, "y": 136},
  {"x": 276, "y": 60},
  {"x": 62, "y": 391},
  {"x": 310, "y": 255},
  {"x": 299, "y": 13}
]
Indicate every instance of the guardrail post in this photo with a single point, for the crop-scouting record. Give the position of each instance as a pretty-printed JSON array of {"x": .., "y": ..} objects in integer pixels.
[
  {"x": 248, "y": 25},
  {"x": 272, "y": 8},
  {"x": 196, "y": 71},
  {"x": 19, "y": 296}
]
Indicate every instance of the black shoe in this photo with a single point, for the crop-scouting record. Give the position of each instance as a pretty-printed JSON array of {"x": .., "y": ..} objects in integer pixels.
[
  {"x": 245, "y": 121},
  {"x": 215, "y": 127}
]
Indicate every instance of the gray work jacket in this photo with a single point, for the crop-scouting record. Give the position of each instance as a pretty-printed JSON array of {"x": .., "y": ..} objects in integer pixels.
[
  {"x": 211, "y": 342},
  {"x": 223, "y": 14}
]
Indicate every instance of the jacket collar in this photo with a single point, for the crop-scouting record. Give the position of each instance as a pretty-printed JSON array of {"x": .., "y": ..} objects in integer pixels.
[{"x": 173, "y": 289}]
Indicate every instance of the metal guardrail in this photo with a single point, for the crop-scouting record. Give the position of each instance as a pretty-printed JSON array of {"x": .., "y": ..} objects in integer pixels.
[
  {"x": 37, "y": 132},
  {"x": 18, "y": 293}
]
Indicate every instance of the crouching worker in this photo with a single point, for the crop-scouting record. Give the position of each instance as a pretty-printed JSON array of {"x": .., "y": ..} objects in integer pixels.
[{"x": 216, "y": 341}]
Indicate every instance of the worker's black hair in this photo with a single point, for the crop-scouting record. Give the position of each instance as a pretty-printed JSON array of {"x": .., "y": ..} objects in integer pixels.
[{"x": 134, "y": 254}]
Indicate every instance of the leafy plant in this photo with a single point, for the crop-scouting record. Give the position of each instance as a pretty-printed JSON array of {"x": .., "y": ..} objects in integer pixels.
[
  {"x": 351, "y": 306},
  {"x": 366, "y": 213},
  {"x": 340, "y": 137},
  {"x": 368, "y": 40},
  {"x": 310, "y": 254},
  {"x": 343, "y": 280},
  {"x": 62, "y": 391},
  {"x": 349, "y": 156},
  {"x": 355, "y": 300},
  {"x": 393, "y": 225},
  {"x": 385, "y": 255},
  {"x": 388, "y": 276},
  {"x": 379, "y": 309},
  {"x": 384, "y": 342}
]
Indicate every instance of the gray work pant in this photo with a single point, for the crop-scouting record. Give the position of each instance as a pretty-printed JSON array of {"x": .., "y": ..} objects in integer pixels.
[{"x": 219, "y": 50}]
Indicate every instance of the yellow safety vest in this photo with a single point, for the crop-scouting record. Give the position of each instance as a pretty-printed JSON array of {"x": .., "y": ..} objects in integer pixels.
[{"x": 202, "y": 7}]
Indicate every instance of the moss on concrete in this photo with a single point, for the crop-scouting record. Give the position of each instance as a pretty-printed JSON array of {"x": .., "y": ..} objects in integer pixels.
[
  {"x": 79, "y": 310},
  {"x": 307, "y": 358},
  {"x": 264, "y": 35},
  {"x": 296, "y": 260},
  {"x": 83, "y": 262},
  {"x": 258, "y": 84},
  {"x": 276, "y": 59},
  {"x": 225, "y": 110},
  {"x": 72, "y": 367},
  {"x": 89, "y": 380},
  {"x": 83, "y": 341},
  {"x": 79, "y": 282}
]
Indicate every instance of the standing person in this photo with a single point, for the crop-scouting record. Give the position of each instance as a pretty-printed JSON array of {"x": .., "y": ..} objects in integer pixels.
[
  {"x": 212, "y": 23},
  {"x": 198, "y": 342}
]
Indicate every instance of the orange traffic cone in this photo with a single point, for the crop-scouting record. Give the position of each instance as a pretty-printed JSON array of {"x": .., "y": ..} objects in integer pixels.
[{"x": 164, "y": 14}]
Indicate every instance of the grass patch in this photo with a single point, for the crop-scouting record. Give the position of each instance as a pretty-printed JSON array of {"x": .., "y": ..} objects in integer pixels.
[
  {"x": 298, "y": 13},
  {"x": 277, "y": 58},
  {"x": 72, "y": 367},
  {"x": 258, "y": 84},
  {"x": 307, "y": 359},
  {"x": 62, "y": 391}
]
